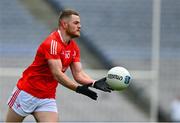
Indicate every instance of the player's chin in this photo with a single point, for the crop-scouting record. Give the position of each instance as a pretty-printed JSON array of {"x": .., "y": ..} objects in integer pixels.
[{"x": 76, "y": 35}]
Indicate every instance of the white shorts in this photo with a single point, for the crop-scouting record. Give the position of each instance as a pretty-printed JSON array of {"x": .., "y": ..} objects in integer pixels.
[{"x": 24, "y": 104}]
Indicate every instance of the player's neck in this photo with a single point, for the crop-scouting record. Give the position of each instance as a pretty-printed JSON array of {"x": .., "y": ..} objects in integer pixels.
[{"x": 65, "y": 38}]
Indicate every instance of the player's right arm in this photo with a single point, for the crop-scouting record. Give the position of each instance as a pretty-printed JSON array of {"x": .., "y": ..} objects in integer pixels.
[{"x": 55, "y": 66}]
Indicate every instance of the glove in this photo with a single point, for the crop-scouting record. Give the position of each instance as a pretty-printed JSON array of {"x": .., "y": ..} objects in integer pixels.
[
  {"x": 86, "y": 91},
  {"x": 102, "y": 85}
]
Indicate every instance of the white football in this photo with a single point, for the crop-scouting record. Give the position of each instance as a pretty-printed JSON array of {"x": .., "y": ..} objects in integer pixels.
[{"x": 118, "y": 78}]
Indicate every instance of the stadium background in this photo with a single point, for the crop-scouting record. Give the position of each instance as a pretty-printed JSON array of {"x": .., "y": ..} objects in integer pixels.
[{"x": 141, "y": 35}]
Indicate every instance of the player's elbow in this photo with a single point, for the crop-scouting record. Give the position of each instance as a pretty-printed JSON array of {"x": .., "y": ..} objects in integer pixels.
[
  {"x": 57, "y": 75},
  {"x": 77, "y": 78}
]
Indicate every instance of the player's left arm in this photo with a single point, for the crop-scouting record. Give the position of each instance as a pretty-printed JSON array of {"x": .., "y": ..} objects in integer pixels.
[{"x": 81, "y": 77}]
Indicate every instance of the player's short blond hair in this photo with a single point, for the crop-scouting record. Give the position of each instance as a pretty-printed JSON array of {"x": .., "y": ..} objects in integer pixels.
[{"x": 66, "y": 14}]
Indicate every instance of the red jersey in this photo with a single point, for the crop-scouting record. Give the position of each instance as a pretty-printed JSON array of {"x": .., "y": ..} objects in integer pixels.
[{"x": 37, "y": 79}]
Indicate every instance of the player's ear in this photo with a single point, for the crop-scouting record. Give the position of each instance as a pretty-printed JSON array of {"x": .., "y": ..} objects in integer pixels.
[{"x": 63, "y": 24}]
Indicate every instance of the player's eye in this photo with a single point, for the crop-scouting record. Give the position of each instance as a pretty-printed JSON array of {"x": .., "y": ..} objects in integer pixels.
[{"x": 76, "y": 22}]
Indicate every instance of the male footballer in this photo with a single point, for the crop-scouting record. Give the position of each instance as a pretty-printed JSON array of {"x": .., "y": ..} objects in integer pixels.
[{"x": 35, "y": 91}]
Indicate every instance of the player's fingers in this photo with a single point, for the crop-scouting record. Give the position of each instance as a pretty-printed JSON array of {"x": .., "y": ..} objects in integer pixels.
[
  {"x": 110, "y": 88},
  {"x": 92, "y": 94},
  {"x": 104, "y": 79},
  {"x": 107, "y": 90}
]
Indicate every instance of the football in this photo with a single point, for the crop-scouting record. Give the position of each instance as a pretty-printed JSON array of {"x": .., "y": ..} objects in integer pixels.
[{"x": 118, "y": 78}]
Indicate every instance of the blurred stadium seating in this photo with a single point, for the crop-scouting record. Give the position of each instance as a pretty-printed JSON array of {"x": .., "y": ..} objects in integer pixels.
[
  {"x": 121, "y": 32},
  {"x": 20, "y": 33}
]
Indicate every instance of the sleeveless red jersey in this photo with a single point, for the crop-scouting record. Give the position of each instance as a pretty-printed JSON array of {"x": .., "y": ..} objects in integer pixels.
[{"x": 37, "y": 79}]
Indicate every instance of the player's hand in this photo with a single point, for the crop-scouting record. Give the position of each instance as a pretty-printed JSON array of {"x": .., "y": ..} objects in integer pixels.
[
  {"x": 86, "y": 91},
  {"x": 102, "y": 85}
]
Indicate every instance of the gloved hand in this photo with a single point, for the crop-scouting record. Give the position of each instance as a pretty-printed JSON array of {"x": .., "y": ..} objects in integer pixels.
[
  {"x": 86, "y": 91},
  {"x": 102, "y": 85}
]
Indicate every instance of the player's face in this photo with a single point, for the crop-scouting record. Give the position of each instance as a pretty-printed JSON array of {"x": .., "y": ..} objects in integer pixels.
[{"x": 73, "y": 26}]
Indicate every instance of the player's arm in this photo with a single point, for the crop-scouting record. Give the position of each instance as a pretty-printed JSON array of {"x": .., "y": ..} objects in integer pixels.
[
  {"x": 55, "y": 66},
  {"x": 81, "y": 77}
]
